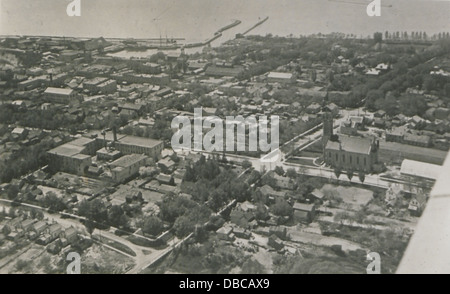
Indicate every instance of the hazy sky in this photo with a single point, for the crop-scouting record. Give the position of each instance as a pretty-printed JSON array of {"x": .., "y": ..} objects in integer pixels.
[{"x": 198, "y": 19}]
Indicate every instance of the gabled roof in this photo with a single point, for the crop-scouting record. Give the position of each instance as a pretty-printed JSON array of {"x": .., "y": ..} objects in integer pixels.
[
  {"x": 351, "y": 144},
  {"x": 318, "y": 194},
  {"x": 280, "y": 75},
  {"x": 55, "y": 228},
  {"x": 304, "y": 207}
]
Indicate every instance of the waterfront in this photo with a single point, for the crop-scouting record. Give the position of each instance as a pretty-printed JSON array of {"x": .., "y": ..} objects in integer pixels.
[{"x": 200, "y": 19}]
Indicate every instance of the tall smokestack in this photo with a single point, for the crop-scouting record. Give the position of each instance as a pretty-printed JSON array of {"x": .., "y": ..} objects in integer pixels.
[
  {"x": 104, "y": 139},
  {"x": 114, "y": 129}
]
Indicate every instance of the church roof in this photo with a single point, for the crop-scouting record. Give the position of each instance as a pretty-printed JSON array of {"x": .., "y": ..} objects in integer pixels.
[{"x": 351, "y": 144}]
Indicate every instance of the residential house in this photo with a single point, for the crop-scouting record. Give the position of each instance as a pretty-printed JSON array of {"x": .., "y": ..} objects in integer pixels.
[
  {"x": 132, "y": 110},
  {"x": 27, "y": 224},
  {"x": 127, "y": 166},
  {"x": 166, "y": 165},
  {"x": 275, "y": 242},
  {"x": 242, "y": 233},
  {"x": 270, "y": 193},
  {"x": 68, "y": 236},
  {"x": 241, "y": 218},
  {"x": 225, "y": 233},
  {"x": 280, "y": 232},
  {"x": 316, "y": 195},
  {"x": 417, "y": 204},
  {"x": 313, "y": 108},
  {"x": 165, "y": 179},
  {"x": 39, "y": 227},
  {"x": 304, "y": 213}
]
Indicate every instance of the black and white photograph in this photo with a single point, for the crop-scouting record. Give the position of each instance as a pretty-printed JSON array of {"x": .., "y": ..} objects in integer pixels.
[{"x": 224, "y": 137}]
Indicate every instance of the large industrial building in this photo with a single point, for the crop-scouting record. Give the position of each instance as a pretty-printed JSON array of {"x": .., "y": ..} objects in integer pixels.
[
  {"x": 76, "y": 156},
  {"x": 73, "y": 157},
  {"x": 59, "y": 95}
]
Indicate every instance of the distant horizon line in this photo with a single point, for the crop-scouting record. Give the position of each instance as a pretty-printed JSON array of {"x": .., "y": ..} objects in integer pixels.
[{"x": 182, "y": 38}]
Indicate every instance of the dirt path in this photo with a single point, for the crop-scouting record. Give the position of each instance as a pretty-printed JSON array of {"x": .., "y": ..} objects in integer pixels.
[{"x": 320, "y": 240}]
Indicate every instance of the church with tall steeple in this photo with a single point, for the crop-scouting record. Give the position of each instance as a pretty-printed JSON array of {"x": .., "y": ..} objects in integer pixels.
[{"x": 354, "y": 153}]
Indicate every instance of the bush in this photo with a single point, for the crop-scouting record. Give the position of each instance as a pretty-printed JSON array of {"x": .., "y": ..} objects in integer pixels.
[{"x": 246, "y": 164}]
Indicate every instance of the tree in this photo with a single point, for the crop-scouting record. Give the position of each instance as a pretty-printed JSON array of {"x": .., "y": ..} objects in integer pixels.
[
  {"x": 189, "y": 175},
  {"x": 279, "y": 170},
  {"x": 411, "y": 105},
  {"x": 183, "y": 226},
  {"x": 53, "y": 202},
  {"x": 281, "y": 208},
  {"x": 268, "y": 179},
  {"x": 152, "y": 226},
  {"x": 252, "y": 267},
  {"x": 291, "y": 173},
  {"x": 362, "y": 177},
  {"x": 237, "y": 190},
  {"x": 350, "y": 174},
  {"x": 37, "y": 214},
  {"x": 12, "y": 192},
  {"x": 218, "y": 198},
  {"x": 172, "y": 207},
  {"x": 90, "y": 226},
  {"x": 246, "y": 164},
  {"x": 6, "y": 230},
  {"x": 94, "y": 210},
  {"x": 117, "y": 217},
  {"x": 372, "y": 97},
  {"x": 337, "y": 172},
  {"x": 378, "y": 37},
  {"x": 261, "y": 212}
]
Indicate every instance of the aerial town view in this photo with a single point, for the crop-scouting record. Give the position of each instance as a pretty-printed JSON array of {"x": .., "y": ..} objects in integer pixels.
[{"x": 93, "y": 161}]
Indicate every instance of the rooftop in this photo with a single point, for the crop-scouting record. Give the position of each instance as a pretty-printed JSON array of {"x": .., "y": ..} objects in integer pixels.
[
  {"x": 139, "y": 141},
  {"x": 420, "y": 169},
  {"x": 95, "y": 81},
  {"x": 58, "y": 91},
  {"x": 280, "y": 75},
  {"x": 303, "y": 207},
  {"x": 68, "y": 150},
  {"x": 128, "y": 160},
  {"x": 351, "y": 144},
  {"x": 82, "y": 141}
]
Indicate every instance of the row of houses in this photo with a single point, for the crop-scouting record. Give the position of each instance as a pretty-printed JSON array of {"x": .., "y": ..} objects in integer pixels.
[{"x": 41, "y": 232}]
